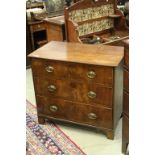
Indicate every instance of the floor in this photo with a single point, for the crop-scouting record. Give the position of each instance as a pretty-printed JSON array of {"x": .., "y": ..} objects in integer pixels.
[{"x": 90, "y": 141}]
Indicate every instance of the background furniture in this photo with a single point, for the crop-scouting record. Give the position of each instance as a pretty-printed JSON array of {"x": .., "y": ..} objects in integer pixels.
[
  {"x": 46, "y": 30},
  {"x": 88, "y": 18},
  {"x": 40, "y": 28},
  {"x": 38, "y": 33},
  {"x": 79, "y": 83},
  {"x": 125, "y": 132},
  {"x": 55, "y": 28},
  {"x": 28, "y": 44}
]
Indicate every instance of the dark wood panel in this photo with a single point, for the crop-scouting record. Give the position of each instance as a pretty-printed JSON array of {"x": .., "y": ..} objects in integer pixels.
[
  {"x": 125, "y": 129},
  {"x": 40, "y": 68},
  {"x": 103, "y": 75},
  {"x": 91, "y": 115},
  {"x": 126, "y": 58},
  {"x": 126, "y": 80},
  {"x": 126, "y": 103},
  {"x": 125, "y": 133},
  {"x": 28, "y": 44},
  {"x": 72, "y": 90}
]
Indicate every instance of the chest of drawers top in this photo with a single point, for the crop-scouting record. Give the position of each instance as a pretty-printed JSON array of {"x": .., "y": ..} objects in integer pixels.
[{"x": 80, "y": 53}]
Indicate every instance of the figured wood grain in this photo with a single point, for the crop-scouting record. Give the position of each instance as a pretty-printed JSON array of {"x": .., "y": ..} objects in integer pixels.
[
  {"x": 76, "y": 112},
  {"x": 77, "y": 71},
  {"x": 76, "y": 91},
  {"x": 80, "y": 53},
  {"x": 71, "y": 84}
]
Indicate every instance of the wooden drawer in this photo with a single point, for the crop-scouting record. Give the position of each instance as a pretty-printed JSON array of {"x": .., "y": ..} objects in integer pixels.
[
  {"x": 126, "y": 103},
  {"x": 92, "y": 73},
  {"x": 54, "y": 107},
  {"x": 126, "y": 58},
  {"x": 49, "y": 68},
  {"x": 72, "y": 90},
  {"x": 83, "y": 114},
  {"x": 81, "y": 72},
  {"x": 125, "y": 132},
  {"x": 38, "y": 27},
  {"x": 126, "y": 80}
]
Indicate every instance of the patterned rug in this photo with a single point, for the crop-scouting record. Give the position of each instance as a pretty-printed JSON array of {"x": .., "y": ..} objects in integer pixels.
[{"x": 47, "y": 139}]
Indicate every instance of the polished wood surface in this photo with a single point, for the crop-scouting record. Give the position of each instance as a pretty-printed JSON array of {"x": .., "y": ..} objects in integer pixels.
[
  {"x": 104, "y": 115},
  {"x": 75, "y": 91},
  {"x": 74, "y": 71},
  {"x": 125, "y": 132},
  {"x": 55, "y": 28},
  {"x": 80, "y": 53}
]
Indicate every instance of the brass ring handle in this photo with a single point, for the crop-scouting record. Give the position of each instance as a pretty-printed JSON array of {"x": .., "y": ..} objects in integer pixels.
[
  {"x": 91, "y": 94},
  {"x": 53, "y": 108},
  {"x": 92, "y": 116},
  {"x": 91, "y": 74},
  {"x": 49, "y": 69},
  {"x": 52, "y": 88}
]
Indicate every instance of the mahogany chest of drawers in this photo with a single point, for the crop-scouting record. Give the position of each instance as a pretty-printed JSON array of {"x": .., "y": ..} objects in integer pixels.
[
  {"x": 125, "y": 132},
  {"x": 79, "y": 83}
]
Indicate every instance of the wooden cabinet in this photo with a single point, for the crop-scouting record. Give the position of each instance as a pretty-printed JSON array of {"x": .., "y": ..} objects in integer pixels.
[
  {"x": 55, "y": 28},
  {"x": 38, "y": 34},
  {"x": 79, "y": 83},
  {"x": 45, "y": 30},
  {"x": 125, "y": 132}
]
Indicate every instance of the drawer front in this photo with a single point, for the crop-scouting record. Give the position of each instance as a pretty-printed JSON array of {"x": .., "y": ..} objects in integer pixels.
[
  {"x": 126, "y": 80},
  {"x": 76, "y": 91},
  {"x": 49, "y": 69},
  {"x": 83, "y": 114},
  {"x": 126, "y": 103},
  {"x": 96, "y": 116},
  {"x": 92, "y": 73},
  {"x": 125, "y": 128},
  {"x": 56, "y": 108},
  {"x": 38, "y": 27},
  {"x": 126, "y": 58},
  {"x": 80, "y": 72}
]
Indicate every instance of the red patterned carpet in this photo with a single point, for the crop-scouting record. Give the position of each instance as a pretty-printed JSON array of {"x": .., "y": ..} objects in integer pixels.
[{"x": 47, "y": 139}]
